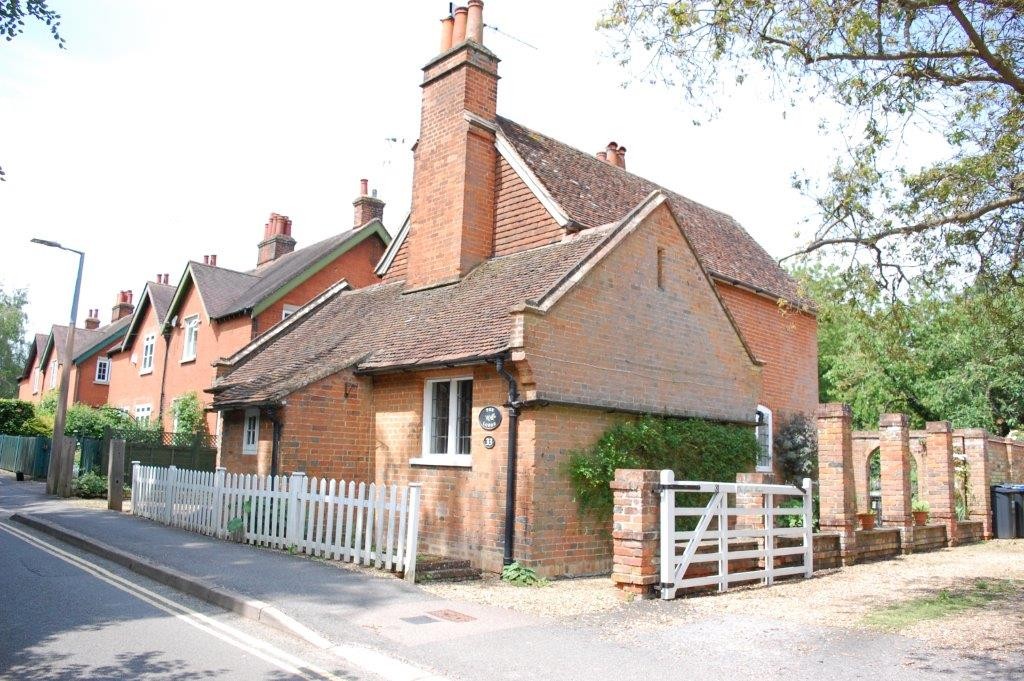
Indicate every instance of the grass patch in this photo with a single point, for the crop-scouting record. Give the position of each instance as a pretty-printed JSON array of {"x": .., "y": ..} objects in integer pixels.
[{"x": 946, "y": 602}]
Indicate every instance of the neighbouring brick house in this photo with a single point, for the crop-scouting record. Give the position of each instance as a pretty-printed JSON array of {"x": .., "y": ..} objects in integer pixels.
[
  {"x": 177, "y": 331},
  {"x": 531, "y": 277},
  {"x": 89, "y": 381}
]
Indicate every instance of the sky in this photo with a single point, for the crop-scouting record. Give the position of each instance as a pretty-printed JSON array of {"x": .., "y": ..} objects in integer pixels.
[{"x": 167, "y": 131}]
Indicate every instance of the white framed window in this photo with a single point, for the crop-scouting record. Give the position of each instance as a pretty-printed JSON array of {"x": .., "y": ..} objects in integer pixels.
[
  {"x": 447, "y": 422},
  {"x": 37, "y": 380},
  {"x": 191, "y": 325},
  {"x": 251, "y": 431},
  {"x": 143, "y": 412},
  {"x": 763, "y": 431},
  {"x": 102, "y": 370},
  {"x": 287, "y": 311},
  {"x": 148, "y": 350},
  {"x": 53, "y": 374}
]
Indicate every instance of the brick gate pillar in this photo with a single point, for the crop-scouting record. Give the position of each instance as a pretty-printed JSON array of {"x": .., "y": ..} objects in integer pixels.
[
  {"x": 894, "y": 452},
  {"x": 941, "y": 485},
  {"x": 976, "y": 452},
  {"x": 836, "y": 494},
  {"x": 635, "y": 567}
]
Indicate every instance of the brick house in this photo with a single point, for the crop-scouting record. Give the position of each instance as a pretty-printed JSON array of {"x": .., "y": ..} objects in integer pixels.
[
  {"x": 533, "y": 278},
  {"x": 177, "y": 331},
  {"x": 90, "y": 376}
]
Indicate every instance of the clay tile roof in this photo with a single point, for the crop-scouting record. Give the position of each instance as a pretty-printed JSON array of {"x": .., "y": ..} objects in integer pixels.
[
  {"x": 380, "y": 327},
  {"x": 226, "y": 292},
  {"x": 593, "y": 192}
]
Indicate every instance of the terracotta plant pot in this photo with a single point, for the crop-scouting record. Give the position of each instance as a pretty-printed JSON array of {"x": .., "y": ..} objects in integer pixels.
[
  {"x": 867, "y": 521},
  {"x": 920, "y": 518}
]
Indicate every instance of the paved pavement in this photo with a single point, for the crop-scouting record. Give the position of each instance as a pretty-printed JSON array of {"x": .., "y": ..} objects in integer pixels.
[{"x": 401, "y": 621}]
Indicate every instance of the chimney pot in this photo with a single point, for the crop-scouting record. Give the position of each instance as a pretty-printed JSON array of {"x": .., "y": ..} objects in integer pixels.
[
  {"x": 612, "y": 151},
  {"x": 364, "y": 187},
  {"x": 277, "y": 239},
  {"x": 213, "y": 260},
  {"x": 447, "y": 25},
  {"x": 206, "y": 260},
  {"x": 459, "y": 28},
  {"x": 602, "y": 156},
  {"x": 622, "y": 157},
  {"x": 475, "y": 22}
]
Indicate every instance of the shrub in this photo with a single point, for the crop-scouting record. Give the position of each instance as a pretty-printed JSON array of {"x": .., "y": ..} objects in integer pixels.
[
  {"x": 40, "y": 425},
  {"x": 48, "y": 403},
  {"x": 919, "y": 505},
  {"x": 518, "y": 575},
  {"x": 90, "y": 485},
  {"x": 694, "y": 449},
  {"x": 94, "y": 421},
  {"x": 13, "y": 416},
  {"x": 796, "y": 448}
]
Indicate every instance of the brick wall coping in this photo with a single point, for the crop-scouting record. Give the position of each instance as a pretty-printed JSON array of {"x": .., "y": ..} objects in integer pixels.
[
  {"x": 834, "y": 410},
  {"x": 893, "y": 421}
]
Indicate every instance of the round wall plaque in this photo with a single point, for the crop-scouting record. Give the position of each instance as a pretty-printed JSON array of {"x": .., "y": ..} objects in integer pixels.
[
  {"x": 488, "y": 442},
  {"x": 490, "y": 418}
]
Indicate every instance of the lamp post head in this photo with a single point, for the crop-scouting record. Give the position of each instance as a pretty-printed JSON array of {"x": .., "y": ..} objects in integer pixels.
[{"x": 45, "y": 242}]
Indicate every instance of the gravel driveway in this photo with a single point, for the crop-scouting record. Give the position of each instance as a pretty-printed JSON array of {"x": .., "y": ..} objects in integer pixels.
[{"x": 836, "y": 598}]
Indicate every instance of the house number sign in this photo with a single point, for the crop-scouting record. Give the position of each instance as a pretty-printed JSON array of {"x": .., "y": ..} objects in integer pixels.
[
  {"x": 490, "y": 418},
  {"x": 488, "y": 442}
]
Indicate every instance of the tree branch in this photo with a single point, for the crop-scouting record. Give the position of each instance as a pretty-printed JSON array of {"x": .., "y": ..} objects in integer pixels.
[{"x": 997, "y": 64}]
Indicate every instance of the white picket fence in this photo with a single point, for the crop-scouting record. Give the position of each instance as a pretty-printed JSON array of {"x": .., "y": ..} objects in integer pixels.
[
  {"x": 711, "y": 540},
  {"x": 373, "y": 525}
]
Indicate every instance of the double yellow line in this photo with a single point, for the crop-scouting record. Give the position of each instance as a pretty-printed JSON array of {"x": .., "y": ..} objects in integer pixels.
[{"x": 244, "y": 642}]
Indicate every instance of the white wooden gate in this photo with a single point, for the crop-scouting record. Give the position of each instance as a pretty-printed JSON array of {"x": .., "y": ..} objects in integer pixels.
[
  {"x": 706, "y": 548},
  {"x": 371, "y": 524}
]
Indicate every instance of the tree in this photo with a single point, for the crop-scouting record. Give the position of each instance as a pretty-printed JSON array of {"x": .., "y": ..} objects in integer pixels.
[
  {"x": 13, "y": 14},
  {"x": 12, "y": 344},
  {"x": 954, "y": 67},
  {"x": 934, "y": 356}
]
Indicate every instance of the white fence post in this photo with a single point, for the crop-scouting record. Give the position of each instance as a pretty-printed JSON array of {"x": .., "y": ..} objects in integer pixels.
[
  {"x": 413, "y": 531},
  {"x": 292, "y": 533},
  {"x": 136, "y": 487},
  {"x": 668, "y": 528},
  {"x": 218, "y": 501},
  {"x": 172, "y": 476},
  {"x": 808, "y": 528},
  {"x": 769, "y": 538}
]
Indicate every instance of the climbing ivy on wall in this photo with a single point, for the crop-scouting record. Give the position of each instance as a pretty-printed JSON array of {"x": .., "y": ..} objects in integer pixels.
[{"x": 694, "y": 449}]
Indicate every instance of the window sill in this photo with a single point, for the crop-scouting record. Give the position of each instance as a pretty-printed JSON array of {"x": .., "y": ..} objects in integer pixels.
[
  {"x": 457, "y": 460},
  {"x": 245, "y": 453},
  {"x": 102, "y": 382},
  {"x": 145, "y": 372},
  {"x": 764, "y": 469},
  {"x": 187, "y": 360}
]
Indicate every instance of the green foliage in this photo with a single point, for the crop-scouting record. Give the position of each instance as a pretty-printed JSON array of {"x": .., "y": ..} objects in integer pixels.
[
  {"x": 48, "y": 403},
  {"x": 236, "y": 526},
  {"x": 694, "y": 449},
  {"x": 931, "y": 354},
  {"x": 189, "y": 418},
  {"x": 94, "y": 421},
  {"x": 89, "y": 485},
  {"x": 40, "y": 425},
  {"x": 796, "y": 449},
  {"x": 13, "y": 350},
  {"x": 962, "y": 499},
  {"x": 13, "y": 416},
  {"x": 517, "y": 575},
  {"x": 918, "y": 505},
  {"x": 952, "y": 71}
]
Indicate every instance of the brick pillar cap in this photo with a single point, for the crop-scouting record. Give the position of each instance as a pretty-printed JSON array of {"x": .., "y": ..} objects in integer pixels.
[
  {"x": 834, "y": 410},
  {"x": 974, "y": 432},
  {"x": 889, "y": 420},
  {"x": 938, "y": 427}
]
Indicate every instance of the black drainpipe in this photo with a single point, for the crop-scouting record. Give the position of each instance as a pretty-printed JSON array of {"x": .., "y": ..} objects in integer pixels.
[
  {"x": 510, "y": 479},
  {"x": 163, "y": 376},
  {"x": 275, "y": 448}
]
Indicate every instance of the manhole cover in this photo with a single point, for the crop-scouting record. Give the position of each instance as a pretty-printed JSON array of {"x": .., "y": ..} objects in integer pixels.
[
  {"x": 418, "y": 619},
  {"x": 452, "y": 616}
]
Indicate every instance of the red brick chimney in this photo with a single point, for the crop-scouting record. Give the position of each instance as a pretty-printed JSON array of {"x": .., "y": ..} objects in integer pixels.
[
  {"x": 368, "y": 207},
  {"x": 277, "y": 239},
  {"x": 93, "y": 320},
  {"x": 614, "y": 155},
  {"x": 122, "y": 306},
  {"x": 452, "y": 222}
]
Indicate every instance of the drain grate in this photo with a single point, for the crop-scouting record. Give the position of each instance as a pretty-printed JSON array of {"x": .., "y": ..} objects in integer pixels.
[
  {"x": 452, "y": 616},
  {"x": 418, "y": 619}
]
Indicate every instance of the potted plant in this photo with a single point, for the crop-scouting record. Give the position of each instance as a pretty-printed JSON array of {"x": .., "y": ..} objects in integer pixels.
[
  {"x": 867, "y": 520},
  {"x": 920, "y": 509}
]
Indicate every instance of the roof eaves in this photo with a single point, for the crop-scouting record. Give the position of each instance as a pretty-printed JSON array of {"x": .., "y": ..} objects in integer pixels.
[
  {"x": 283, "y": 326},
  {"x": 130, "y": 332},
  {"x": 372, "y": 228},
  {"x": 389, "y": 254},
  {"x": 104, "y": 342},
  {"x": 522, "y": 169}
]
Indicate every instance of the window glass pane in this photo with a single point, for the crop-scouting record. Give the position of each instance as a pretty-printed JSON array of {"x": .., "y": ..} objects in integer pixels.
[
  {"x": 465, "y": 415},
  {"x": 763, "y": 433},
  {"x": 439, "y": 418}
]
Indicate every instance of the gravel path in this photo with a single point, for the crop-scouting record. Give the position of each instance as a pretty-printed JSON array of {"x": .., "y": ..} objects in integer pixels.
[{"x": 834, "y": 598}]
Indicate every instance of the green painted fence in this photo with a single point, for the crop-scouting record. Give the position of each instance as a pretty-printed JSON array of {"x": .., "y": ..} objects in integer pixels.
[
  {"x": 173, "y": 449},
  {"x": 29, "y": 455}
]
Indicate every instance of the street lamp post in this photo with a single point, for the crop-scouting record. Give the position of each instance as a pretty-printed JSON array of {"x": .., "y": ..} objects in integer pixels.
[{"x": 61, "y": 469}]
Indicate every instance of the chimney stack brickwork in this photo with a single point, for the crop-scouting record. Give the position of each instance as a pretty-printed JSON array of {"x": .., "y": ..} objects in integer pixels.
[
  {"x": 452, "y": 225},
  {"x": 277, "y": 239},
  {"x": 92, "y": 321},
  {"x": 122, "y": 306},
  {"x": 367, "y": 207}
]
